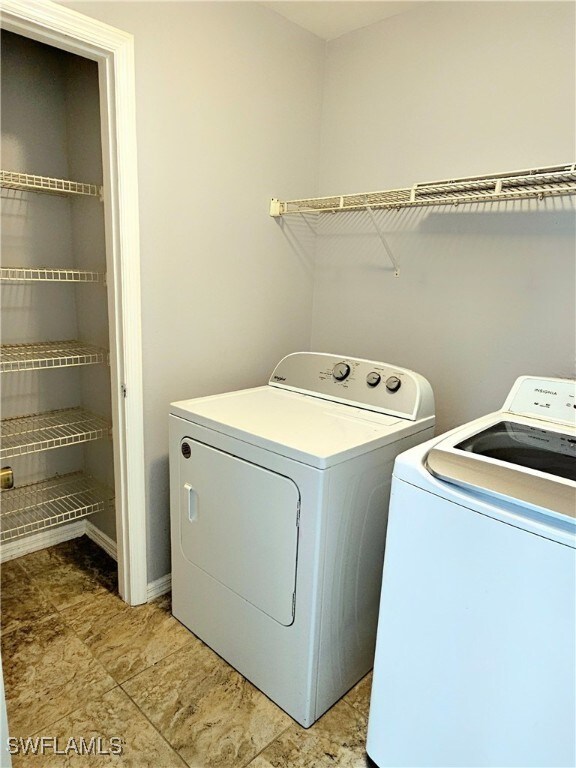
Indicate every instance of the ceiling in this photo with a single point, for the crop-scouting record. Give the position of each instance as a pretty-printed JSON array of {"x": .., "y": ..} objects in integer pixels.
[{"x": 329, "y": 19}]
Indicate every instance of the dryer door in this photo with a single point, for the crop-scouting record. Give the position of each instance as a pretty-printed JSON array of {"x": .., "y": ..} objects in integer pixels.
[{"x": 239, "y": 523}]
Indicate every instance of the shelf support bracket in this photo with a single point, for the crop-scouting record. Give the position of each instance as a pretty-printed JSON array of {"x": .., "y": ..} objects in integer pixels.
[{"x": 384, "y": 242}]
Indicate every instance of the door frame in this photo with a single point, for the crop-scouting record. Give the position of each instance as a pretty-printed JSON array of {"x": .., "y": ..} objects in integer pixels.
[{"x": 113, "y": 50}]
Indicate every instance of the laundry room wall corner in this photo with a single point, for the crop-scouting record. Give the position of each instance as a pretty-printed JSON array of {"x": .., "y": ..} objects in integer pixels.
[{"x": 485, "y": 292}]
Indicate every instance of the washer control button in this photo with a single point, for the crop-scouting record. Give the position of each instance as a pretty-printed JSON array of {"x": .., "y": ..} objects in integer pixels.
[
  {"x": 393, "y": 384},
  {"x": 373, "y": 379},
  {"x": 341, "y": 371}
]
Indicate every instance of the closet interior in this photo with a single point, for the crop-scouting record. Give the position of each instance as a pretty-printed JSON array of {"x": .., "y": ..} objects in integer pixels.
[{"x": 56, "y": 441}]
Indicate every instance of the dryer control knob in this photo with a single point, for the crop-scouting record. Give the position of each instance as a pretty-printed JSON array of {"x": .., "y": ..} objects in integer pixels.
[
  {"x": 393, "y": 384},
  {"x": 341, "y": 371},
  {"x": 373, "y": 379}
]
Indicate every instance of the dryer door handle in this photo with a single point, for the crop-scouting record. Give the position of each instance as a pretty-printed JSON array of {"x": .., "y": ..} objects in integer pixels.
[{"x": 192, "y": 502}]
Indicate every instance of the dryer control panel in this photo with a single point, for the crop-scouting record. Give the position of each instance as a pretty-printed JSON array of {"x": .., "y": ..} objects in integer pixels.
[{"x": 361, "y": 383}]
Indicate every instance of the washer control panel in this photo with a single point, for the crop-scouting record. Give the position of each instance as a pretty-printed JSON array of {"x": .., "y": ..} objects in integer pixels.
[
  {"x": 549, "y": 399},
  {"x": 362, "y": 383}
]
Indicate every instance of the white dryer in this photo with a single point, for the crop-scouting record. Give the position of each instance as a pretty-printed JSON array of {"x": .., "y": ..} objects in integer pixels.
[
  {"x": 476, "y": 652},
  {"x": 279, "y": 499}
]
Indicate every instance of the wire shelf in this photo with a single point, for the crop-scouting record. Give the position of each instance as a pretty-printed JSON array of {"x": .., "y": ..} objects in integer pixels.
[
  {"x": 533, "y": 183},
  {"x": 49, "y": 354},
  {"x": 27, "y": 182},
  {"x": 28, "y": 274},
  {"x": 58, "y": 500},
  {"x": 54, "y": 429}
]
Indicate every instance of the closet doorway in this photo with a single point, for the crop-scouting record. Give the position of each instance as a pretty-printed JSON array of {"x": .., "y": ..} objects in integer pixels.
[{"x": 114, "y": 361}]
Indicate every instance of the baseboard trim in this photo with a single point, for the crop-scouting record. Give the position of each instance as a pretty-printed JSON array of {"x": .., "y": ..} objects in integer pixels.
[
  {"x": 48, "y": 538},
  {"x": 159, "y": 587},
  {"x": 102, "y": 540},
  {"x": 41, "y": 540}
]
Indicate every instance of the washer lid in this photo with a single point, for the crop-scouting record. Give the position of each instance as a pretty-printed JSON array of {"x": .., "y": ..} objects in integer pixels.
[
  {"x": 525, "y": 453},
  {"x": 512, "y": 458},
  {"x": 301, "y": 427}
]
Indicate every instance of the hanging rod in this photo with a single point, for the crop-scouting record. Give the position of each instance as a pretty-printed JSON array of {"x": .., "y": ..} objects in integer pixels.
[
  {"x": 538, "y": 183},
  {"x": 28, "y": 182}
]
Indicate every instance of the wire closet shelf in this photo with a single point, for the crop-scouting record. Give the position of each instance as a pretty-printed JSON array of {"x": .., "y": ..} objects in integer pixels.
[
  {"x": 49, "y": 354},
  {"x": 48, "y": 503},
  {"x": 28, "y": 182},
  {"x": 42, "y": 431},
  {"x": 518, "y": 185},
  {"x": 55, "y": 274}
]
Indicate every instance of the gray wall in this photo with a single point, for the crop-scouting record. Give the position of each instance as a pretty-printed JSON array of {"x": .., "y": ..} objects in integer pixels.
[
  {"x": 485, "y": 293},
  {"x": 228, "y": 99},
  {"x": 51, "y": 127}
]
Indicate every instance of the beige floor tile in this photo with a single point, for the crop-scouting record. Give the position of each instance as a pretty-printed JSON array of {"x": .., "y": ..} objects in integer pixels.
[
  {"x": 112, "y": 720},
  {"x": 127, "y": 640},
  {"x": 48, "y": 672},
  {"x": 90, "y": 617},
  {"x": 337, "y": 740},
  {"x": 41, "y": 560},
  {"x": 186, "y": 703},
  {"x": 22, "y": 601},
  {"x": 65, "y": 586},
  {"x": 12, "y": 570},
  {"x": 72, "y": 571},
  {"x": 209, "y": 713},
  {"x": 359, "y": 696}
]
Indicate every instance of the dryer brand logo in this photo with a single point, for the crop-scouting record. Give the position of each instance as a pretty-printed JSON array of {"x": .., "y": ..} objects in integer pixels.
[
  {"x": 545, "y": 391},
  {"x": 279, "y": 378}
]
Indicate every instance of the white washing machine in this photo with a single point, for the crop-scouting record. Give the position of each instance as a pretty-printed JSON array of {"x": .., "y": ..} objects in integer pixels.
[
  {"x": 279, "y": 499},
  {"x": 476, "y": 652}
]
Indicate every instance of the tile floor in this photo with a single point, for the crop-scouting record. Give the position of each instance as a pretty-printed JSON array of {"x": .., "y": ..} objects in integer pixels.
[{"x": 78, "y": 662}]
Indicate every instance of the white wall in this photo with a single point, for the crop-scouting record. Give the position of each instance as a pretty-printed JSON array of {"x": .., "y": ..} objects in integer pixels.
[
  {"x": 485, "y": 293},
  {"x": 228, "y": 116}
]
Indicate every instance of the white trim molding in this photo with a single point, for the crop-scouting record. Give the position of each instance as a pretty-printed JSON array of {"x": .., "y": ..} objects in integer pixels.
[
  {"x": 113, "y": 50},
  {"x": 160, "y": 587},
  {"x": 101, "y": 539},
  {"x": 10, "y": 550},
  {"x": 52, "y": 536}
]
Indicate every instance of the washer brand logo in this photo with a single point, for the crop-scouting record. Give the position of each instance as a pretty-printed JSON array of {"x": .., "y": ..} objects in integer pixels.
[
  {"x": 545, "y": 391},
  {"x": 279, "y": 378}
]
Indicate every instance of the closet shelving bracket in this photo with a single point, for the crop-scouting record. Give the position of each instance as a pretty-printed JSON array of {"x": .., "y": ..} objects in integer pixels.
[{"x": 384, "y": 242}]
